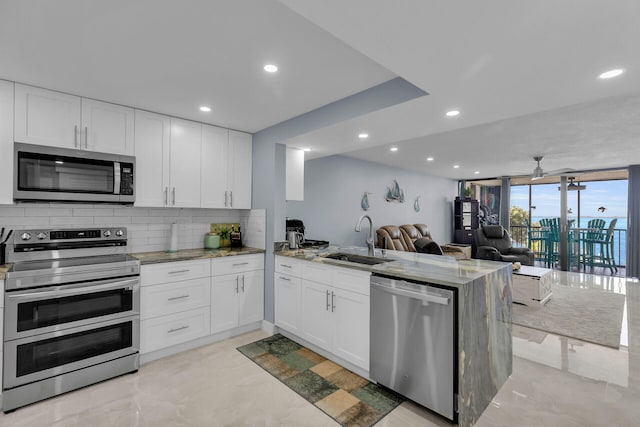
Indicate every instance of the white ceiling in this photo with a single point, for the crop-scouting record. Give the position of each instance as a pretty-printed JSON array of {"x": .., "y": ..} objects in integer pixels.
[
  {"x": 171, "y": 57},
  {"x": 523, "y": 74}
]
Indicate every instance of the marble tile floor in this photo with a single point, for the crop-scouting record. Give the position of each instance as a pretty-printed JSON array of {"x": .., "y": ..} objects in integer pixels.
[{"x": 556, "y": 381}]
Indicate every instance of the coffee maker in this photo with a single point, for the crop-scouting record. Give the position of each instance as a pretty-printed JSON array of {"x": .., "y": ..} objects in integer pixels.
[{"x": 295, "y": 229}]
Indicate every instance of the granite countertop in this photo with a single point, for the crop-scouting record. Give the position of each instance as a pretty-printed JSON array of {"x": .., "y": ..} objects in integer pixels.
[
  {"x": 442, "y": 270},
  {"x": 181, "y": 255},
  {"x": 3, "y": 270},
  {"x": 192, "y": 254}
]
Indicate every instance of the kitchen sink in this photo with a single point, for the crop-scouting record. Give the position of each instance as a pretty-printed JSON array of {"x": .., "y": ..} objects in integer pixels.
[{"x": 358, "y": 259}]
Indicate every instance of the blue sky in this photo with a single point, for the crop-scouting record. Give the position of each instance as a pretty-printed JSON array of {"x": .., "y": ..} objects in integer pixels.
[{"x": 612, "y": 195}]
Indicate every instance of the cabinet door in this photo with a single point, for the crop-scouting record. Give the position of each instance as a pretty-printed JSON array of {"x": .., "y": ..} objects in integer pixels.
[
  {"x": 251, "y": 301},
  {"x": 152, "y": 145},
  {"x": 46, "y": 117},
  {"x": 107, "y": 128},
  {"x": 287, "y": 302},
  {"x": 240, "y": 147},
  {"x": 6, "y": 142},
  {"x": 185, "y": 164},
  {"x": 351, "y": 333},
  {"x": 224, "y": 302},
  {"x": 214, "y": 162},
  {"x": 317, "y": 320}
]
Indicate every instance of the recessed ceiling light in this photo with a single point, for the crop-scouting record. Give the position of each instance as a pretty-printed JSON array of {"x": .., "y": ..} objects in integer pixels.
[
  {"x": 205, "y": 108},
  {"x": 477, "y": 172},
  {"x": 363, "y": 135},
  {"x": 306, "y": 149},
  {"x": 394, "y": 148},
  {"x": 452, "y": 113},
  {"x": 611, "y": 73},
  {"x": 456, "y": 166},
  {"x": 429, "y": 159},
  {"x": 270, "y": 68}
]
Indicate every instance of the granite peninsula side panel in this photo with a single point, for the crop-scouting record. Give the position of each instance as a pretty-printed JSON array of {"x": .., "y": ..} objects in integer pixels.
[{"x": 485, "y": 353}]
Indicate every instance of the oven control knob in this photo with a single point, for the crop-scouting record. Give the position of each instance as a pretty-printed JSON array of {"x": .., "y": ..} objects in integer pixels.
[
  {"x": 107, "y": 233},
  {"x": 41, "y": 236},
  {"x": 119, "y": 233},
  {"x": 25, "y": 236}
]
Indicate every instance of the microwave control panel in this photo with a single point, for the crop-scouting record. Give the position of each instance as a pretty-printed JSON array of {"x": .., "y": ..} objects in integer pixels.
[{"x": 126, "y": 179}]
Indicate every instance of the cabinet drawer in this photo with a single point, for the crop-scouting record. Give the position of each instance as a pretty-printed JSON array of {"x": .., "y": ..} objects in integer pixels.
[
  {"x": 316, "y": 272},
  {"x": 236, "y": 264},
  {"x": 168, "y": 272},
  {"x": 289, "y": 265},
  {"x": 168, "y": 298},
  {"x": 173, "y": 329},
  {"x": 351, "y": 280}
]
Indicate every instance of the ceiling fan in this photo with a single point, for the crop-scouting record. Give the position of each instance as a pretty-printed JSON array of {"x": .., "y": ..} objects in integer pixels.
[{"x": 538, "y": 173}]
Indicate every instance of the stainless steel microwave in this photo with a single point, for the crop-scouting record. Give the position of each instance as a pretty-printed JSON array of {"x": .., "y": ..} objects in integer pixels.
[{"x": 55, "y": 174}]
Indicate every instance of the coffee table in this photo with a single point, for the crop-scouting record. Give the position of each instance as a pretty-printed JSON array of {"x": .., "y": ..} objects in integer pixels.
[{"x": 532, "y": 285}]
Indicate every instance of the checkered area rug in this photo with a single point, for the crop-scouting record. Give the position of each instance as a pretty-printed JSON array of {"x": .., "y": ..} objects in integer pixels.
[{"x": 346, "y": 397}]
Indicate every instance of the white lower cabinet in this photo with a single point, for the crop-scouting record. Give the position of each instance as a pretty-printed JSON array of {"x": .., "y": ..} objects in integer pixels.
[
  {"x": 186, "y": 300},
  {"x": 287, "y": 302},
  {"x": 337, "y": 321},
  {"x": 172, "y": 329},
  {"x": 174, "y": 303},
  {"x": 325, "y": 305},
  {"x": 236, "y": 300}
]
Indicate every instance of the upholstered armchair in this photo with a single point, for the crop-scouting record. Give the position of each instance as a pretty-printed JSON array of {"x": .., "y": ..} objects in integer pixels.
[
  {"x": 494, "y": 243},
  {"x": 390, "y": 237}
]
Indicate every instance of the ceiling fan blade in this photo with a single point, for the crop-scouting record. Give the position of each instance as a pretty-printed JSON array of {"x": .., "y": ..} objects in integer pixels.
[{"x": 565, "y": 171}]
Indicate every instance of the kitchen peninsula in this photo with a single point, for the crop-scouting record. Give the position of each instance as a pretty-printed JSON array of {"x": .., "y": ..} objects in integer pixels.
[{"x": 483, "y": 344}]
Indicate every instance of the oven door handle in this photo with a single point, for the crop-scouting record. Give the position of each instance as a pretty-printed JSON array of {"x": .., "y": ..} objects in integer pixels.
[{"x": 38, "y": 293}]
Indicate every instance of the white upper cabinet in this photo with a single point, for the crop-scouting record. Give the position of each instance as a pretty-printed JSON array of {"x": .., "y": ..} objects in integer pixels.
[
  {"x": 152, "y": 136},
  {"x": 214, "y": 164},
  {"x": 167, "y": 161},
  {"x": 107, "y": 127},
  {"x": 240, "y": 152},
  {"x": 184, "y": 188},
  {"x": 294, "y": 189},
  {"x": 46, "y": 117},
  {"x": 226, "y": 168},
  {"x": 57, "y": 119},
  {"x": 6, "y": 142}
]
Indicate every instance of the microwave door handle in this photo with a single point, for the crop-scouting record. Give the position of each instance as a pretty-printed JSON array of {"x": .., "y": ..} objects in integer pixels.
[{"x": 116, "y": 177}]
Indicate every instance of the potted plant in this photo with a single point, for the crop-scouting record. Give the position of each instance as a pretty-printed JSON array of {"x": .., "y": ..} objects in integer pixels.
[
  {"x": 468, "y": 192},
  {"x": 225, "y": 236}
]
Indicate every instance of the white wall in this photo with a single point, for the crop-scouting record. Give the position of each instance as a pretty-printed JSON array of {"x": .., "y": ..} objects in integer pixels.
[
  {"x": 148, "y": 228},
  {"x": 333, "y": 189}
]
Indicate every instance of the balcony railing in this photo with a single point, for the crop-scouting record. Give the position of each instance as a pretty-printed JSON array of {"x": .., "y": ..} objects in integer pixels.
[{"x": 520, "y": 237}]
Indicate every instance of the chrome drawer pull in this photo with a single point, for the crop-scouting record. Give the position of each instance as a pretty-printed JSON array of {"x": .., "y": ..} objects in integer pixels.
[
  {"x": 180, "y": 297},
  {"x": 179, "y": 271},
  {"x": 285, "y": 278},
  {"x": 240, "y": 263},
  {"x": 178, "y": 329},
  {"x": 285, "y": 265}
]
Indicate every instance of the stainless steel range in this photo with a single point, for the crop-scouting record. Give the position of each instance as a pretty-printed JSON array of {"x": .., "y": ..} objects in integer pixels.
[{"x": 72, "y": 312}]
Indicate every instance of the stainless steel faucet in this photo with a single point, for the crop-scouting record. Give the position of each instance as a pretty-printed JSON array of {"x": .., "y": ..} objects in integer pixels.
[{"x": 371, "y": 251}]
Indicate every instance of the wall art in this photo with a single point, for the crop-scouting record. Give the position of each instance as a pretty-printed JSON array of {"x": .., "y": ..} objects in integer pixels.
[{"x": 395, "y": 193}]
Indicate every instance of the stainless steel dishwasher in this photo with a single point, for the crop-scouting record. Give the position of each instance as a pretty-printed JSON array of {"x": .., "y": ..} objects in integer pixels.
[{"x": 413, "y": 342}]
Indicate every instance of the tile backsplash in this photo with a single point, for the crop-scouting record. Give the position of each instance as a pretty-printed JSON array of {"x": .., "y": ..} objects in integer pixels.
[{"x": 148, "y": 228}]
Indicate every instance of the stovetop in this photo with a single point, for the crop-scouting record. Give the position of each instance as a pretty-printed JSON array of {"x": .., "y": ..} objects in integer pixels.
[{"x": 309, "y": 243}]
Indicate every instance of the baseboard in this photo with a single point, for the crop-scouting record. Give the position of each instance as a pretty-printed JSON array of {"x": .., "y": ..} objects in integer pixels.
[{"x": 269, "y": 327}]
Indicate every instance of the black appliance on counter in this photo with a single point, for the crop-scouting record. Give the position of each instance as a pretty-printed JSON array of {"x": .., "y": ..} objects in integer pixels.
[{"x": 297, "y": 226}]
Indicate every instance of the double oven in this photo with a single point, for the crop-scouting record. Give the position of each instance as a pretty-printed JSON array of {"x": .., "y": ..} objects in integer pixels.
[{"x": 72, "y": 304}]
